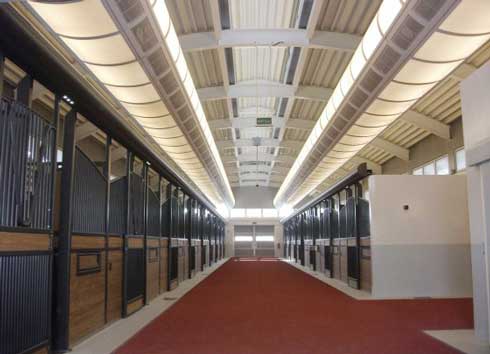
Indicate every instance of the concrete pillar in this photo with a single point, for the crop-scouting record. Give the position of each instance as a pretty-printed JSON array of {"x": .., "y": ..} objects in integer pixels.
[{"x": 475, "y": 97}]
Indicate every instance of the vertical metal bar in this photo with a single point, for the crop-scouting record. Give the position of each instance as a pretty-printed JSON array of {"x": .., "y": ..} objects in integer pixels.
[
  {"x": 62, "y": 259},
  {"x": 356, "y": 234},
  {"x": 129, "y": 166},
  {"x": 189, "y": 237},
  {"x": 145, "y": 231},
  {"x": 54, "y": 165},
  {"x": 2, "y": 72},
  {"x": 24, "y": 91},
  {"x": 170, "y": 231},
  {"x": 330, "y": 233},
  {"x": 160, "y": 233},
  {"x": 107, "y": 174}
]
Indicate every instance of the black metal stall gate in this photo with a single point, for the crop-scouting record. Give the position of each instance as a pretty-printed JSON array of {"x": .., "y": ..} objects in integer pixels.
[
  {"x": 341, "y": 224},
  {"x": 86, "y": 223},
  {"x": 27, "y": 170}
]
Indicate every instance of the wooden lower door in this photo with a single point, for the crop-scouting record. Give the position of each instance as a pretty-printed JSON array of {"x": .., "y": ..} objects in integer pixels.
[
  {"x": 134, "y": 266},
  {"x": 114, "y": 279},
  {"x": 152, "y": 268},
  {"x": 87, "y": 286},
  {"x": 174, "y": 267},
  {"x": 163, "y": 265}
]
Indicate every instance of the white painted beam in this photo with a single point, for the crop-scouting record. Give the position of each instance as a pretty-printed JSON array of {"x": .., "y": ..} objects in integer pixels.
[
  {"x": 264, "y": 88},
  {"x": 118, "y": 153},
  {"x": 253, "y": 184},
  {"x": 285, "y": 159},
  {"x": 267, "y": 37},
  {"x": 462, "y": 71},
  {"x": 391, "y": 148},
  {"x": 85, "y": 130},
  {"x": 426, "y": 123},
  {"x": 373, "y": 166},
  {"x": 248, "y": 122},
  {"x": 268, "y": 142},
  {"x": 282, "y": 171}
]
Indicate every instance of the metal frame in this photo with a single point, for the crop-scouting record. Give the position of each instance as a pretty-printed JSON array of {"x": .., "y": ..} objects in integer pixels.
[{"x": 307, "y": 223}]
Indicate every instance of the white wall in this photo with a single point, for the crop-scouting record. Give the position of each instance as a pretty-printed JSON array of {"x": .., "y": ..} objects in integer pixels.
[
  {"x": 253, "y": 197},
  {"x": 422, "y": 251},
  {"x": 475, "y": 103},
  {"x": 278, "y": 233}
]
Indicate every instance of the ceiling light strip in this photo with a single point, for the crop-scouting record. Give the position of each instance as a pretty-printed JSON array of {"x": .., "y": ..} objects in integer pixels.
[
  {"x": 445, "y": 49},
  {"x": 168, "y": 33}
]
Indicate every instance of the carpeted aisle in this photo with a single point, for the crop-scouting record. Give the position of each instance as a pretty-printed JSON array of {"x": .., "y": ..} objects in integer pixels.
[{"x": 271, "y": 307}]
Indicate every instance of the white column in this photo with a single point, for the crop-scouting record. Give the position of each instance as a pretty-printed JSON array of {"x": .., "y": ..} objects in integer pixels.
[{"x": 475, "y": 97}]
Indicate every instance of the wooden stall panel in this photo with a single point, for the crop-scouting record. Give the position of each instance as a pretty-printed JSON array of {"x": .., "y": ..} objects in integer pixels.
[
  {"x": 198, "y": 251},
  {"x": 134, "y": 306},
  {"x": 343, "y": 261},
  {"x": 114, "y": 286},
  {"x": 87, "y": 294},
  {"x": 186, "y": 261},
  {"x": 152, "y": 269},
  {"x": 11, "y": 241},
  {"x": 174, "y": 267},
  {"x": 366, "y": 272},
  {"x": 336, "y": 259},
  {"x": 163, "y": 265},
  {"x": 87, "y": 242},
  {"x": 181, "y": 261},
  {"x": 115, "y": 242}
]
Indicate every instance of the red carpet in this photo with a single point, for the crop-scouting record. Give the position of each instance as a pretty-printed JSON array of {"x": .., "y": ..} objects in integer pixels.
[{"x": 263, "y": 307}]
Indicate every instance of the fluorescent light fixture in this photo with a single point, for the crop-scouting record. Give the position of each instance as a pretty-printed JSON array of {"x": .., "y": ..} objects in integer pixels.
[
  {"x": 172, "y": 41},
  {"x": 386, "y": 15},
  {"x": 442, "y": 52},
  {"x": 96, "y": 42}
]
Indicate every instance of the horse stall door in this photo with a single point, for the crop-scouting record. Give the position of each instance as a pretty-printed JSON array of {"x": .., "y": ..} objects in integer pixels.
[
  {"x": 152, "y": 268},
  {"x": 163, "y": 265},
  {"x": 181, "y": 262},
  {"x": 153, "y": 230},
  {"x": 88, "y": 245},
  {"x": 134, "y": 265},
  {"x": 185, "y": 250},
  {"x": 115, "y": 252},
  {"x": 174, "y": 265},
  {"x": 114, "y": 278},
  {"x": 198, "y": 259},
  {"x": 192, "y": 259},
  {"x": 26, "y": 256},
  {"x": 205, "y": 255}
]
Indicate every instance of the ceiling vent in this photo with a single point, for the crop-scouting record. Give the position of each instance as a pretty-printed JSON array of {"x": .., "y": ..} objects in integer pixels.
[
  {"x": 293, "y": 63},
  {"x": 407, "y": 33},
  {"x": 144, "y": 35},
  {"x": 169, "y": 84},
  {"x": 130, "y": 9},
  {"x": 234, "y": 106},
  {"x": 230, "y": 65},
  {"x": 305, "y": 14},
  {"x": 282, "y": 107},
  {"x": 158, "y": 62},
  {"x": 428, "y": 9}
]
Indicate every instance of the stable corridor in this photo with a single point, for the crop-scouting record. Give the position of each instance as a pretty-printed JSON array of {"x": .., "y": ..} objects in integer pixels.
[{"x": 255, "y": 305}]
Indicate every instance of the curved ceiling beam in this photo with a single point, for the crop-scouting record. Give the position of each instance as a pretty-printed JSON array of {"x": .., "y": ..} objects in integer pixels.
[
  {"x": 277, "y": 37},
  {"x": 285, "y": 159},
  {"x": 230, "y": 144},
  {"x": 262, "y": 88},
  {"x": 248, "y": 122}
]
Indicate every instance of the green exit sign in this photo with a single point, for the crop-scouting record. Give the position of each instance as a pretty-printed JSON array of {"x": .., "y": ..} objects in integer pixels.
[{"x": 264, "y": 121}]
